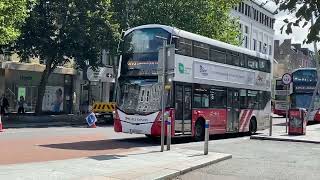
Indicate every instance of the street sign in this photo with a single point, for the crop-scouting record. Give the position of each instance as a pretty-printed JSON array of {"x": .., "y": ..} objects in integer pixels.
[
  {"x": 286, "y": 78},
  {"x": 102, "y": 74},
  {"x": 91, "y": 119}
]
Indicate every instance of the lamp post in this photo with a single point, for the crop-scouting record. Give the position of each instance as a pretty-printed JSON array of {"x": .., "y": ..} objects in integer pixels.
[{"x": 163, "y": 108}]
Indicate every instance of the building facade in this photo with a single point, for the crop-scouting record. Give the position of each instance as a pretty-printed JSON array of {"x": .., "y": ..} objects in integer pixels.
[
  {"x": 291, "y": 56},
  {"x": 66, "y": 91},
  {"x": 256, "y": 26}
]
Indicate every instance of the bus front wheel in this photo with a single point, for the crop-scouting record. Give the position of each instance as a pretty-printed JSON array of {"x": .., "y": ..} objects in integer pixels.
[{"x": 199, "y": 130}]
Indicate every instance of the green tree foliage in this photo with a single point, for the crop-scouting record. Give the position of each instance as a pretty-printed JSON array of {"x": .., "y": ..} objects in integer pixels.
[
  {"x": 303, "y": 10},
  {"x": 208, "y": 17},
  {"x": 59, "y": 31},
  {"x": 12, "y": 16}
]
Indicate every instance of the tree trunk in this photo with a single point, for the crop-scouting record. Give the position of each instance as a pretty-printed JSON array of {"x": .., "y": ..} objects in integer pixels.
[{"x": 42, "y": 87}]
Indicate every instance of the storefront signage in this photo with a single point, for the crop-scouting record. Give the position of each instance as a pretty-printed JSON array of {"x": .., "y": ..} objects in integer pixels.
[
  {"x": 103, "y": 74},
  {"x": 25, "y": 78}
]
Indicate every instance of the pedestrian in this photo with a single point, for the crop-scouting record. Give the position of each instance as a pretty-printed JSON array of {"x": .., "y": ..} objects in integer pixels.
[
  {"x": 21, "y": 103},
  {"x": 4, "y": 104}
]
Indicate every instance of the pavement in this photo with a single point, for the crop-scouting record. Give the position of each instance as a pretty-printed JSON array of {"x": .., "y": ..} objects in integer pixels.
[
  {"x": 93, "y": 153},
  {"x": 258, "y": 160},
  {"x": 41, "y": 121},
  {"x": 279, "y": 134},
  {"x": 143, "y": 164}
]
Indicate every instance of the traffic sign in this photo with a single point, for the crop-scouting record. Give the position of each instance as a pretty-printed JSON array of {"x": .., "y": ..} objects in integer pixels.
[
  {"x": 103, "y": 74},
  {"x": 286, "y": 78},
  {"x": 91, "y": 119}
]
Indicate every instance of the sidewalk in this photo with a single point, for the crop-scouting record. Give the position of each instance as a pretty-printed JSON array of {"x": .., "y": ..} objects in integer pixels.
[
  {"x": 146, "y": 164},
  {"x": 33, "y": 121},
  {"x": 279, "y": 134}
]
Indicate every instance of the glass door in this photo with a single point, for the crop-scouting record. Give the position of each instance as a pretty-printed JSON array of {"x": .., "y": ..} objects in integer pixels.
[
  {"x": 233, "y": 108},
  {"x": 183, "y": 115}
]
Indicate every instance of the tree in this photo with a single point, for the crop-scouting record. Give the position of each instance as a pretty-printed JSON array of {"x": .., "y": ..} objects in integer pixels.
[
  {"x": 304, "y": 11},
  {"x": 60, "y": 31},
  {"x": 209, "y": 17},
  {"x": 12, "y": 17}
]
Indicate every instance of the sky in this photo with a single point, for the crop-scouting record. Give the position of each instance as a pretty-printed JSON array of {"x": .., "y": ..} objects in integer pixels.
[{"x": 299, "y": 34}]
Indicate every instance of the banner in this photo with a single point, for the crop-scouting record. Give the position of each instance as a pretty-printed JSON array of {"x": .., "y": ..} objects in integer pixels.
[{"x": 53, "y": 99}]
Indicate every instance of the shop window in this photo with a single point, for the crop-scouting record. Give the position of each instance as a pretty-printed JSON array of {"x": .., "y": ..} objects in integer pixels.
[{"x": 254, "y": 44}]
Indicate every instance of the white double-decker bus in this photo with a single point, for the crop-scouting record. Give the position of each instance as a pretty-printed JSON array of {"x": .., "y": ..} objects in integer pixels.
[{"x": 210, "y": 80}]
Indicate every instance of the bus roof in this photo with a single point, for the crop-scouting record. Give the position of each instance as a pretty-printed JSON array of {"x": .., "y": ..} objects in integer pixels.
[{"x": 188, "y": 35}]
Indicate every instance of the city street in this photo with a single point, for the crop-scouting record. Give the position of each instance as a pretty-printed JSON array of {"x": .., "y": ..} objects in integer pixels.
[
  {"x": 251, "y": 159},
  {"x": 46, "y": 144}
]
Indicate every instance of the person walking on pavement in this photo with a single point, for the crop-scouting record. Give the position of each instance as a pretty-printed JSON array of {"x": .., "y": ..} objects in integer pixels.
[
  {"x": 4, "y": 104},
  {"x": 21, "y": 103}
]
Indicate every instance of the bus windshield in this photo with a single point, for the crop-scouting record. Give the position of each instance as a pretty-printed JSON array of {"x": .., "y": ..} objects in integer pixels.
[
  {"x": 303, "y": 101},
  {"x": 140, "y": 52},
  {"x": 139, "y": 96}
]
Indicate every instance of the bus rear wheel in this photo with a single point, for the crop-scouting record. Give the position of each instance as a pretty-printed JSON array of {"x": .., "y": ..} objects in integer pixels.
[
  {"x": 199, "y": 130},
  {"x": 253, "y": 126}
]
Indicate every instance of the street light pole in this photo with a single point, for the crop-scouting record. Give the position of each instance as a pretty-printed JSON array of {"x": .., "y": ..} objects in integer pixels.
[{"x": 163, "y": 108}]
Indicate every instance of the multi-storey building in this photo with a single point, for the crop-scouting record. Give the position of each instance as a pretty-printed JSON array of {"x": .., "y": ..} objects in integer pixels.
[
  {"x": 291, "y": 56},
  {"x": 256, "y": 25}
]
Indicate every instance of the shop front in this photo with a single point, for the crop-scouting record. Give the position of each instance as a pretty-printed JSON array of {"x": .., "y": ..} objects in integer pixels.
[{"x": 22, "y": 80}]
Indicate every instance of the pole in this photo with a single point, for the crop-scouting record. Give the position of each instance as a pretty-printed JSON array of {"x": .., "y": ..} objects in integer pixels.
[
  {"x": 287, "y": 96},
  {"x": 271, "y": 123},
  {"x": 310, "y": 109},
  {"x": 206, "y": 137},
  {"x": 168, "y": 133},
  {"x": 163, "y": 92}
]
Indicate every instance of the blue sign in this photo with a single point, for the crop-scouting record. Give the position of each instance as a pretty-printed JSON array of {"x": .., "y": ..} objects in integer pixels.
[{"x": 91, "y": 119}]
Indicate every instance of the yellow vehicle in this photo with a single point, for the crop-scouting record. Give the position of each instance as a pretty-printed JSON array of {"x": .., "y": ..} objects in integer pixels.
[{"x": 104, "y": 109}]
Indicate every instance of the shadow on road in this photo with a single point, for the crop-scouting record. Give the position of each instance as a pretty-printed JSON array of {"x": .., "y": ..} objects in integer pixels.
[
  {"x": 127, "y": 143},
  {"x": 108, "y": 144}
]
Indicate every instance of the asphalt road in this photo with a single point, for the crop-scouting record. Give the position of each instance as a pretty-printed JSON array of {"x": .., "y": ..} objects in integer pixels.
[{"x": 254, "y": 159}]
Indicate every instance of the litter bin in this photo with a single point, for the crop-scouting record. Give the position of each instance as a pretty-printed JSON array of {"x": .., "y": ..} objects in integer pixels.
[{"x": 297, "y": 122}]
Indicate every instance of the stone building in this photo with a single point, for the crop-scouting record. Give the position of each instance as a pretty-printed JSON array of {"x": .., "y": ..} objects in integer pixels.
[{"x": 291, "y": 56}]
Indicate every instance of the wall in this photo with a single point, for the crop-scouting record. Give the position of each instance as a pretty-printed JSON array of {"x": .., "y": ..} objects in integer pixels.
[{"x": 254, "y": 30}]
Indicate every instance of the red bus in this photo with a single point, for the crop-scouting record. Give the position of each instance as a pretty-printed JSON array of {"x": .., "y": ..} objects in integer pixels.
[{"x": 209, "y": 80}]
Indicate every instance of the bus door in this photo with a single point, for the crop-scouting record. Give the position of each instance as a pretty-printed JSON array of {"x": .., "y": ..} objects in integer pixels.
[
  {"x": 183, "y": 109},
  {"x": 233, "y": 108}
]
